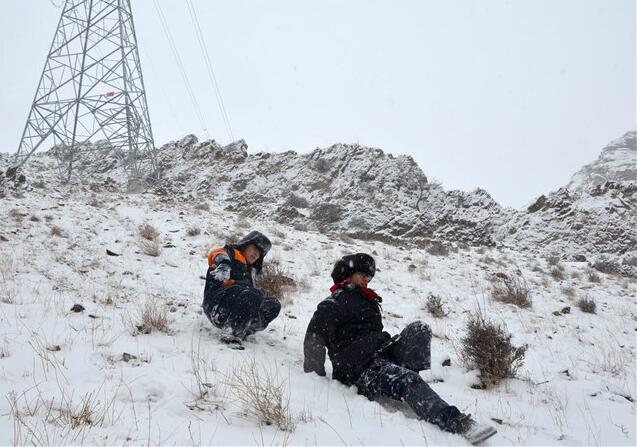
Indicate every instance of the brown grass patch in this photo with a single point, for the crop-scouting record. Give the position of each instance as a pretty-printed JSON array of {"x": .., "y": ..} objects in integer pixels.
[
  {"x": 487, "y": 346},
  {"x": 511, "y": 290}
]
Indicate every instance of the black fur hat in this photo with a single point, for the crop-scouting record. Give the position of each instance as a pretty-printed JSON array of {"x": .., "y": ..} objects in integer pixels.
[
  {"x": 260, "y": 241},
  {"x": 350, "y": 264}
]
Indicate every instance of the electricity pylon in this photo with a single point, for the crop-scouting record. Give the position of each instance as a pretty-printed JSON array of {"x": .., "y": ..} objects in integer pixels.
[{"x": 92, "y": 89}]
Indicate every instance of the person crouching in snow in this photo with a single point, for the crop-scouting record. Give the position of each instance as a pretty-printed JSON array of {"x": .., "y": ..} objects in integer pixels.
[
  {"x": 349, "y": 324},
  {"x": 231, "y": 301}
]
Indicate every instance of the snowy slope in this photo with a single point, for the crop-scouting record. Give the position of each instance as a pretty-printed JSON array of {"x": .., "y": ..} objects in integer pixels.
[{"x": 576, "y": 387}]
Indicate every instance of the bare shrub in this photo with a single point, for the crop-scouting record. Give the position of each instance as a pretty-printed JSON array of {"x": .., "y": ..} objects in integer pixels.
[
  {"x": 553, "y": 259},
  {"x": 488, "y": 347},
  {"x": 153, "y": 317},
  {"x": 150, "y": 248},
  {"x": 576, "y": 275},
  {"x": 16, "y": 215},
  {"x": 557, "y": 272},
  {"x": 587, "y": 305},
  {"x": 57, "y": 231},
  {"x": 94, "y": 202},
  {"x": 594, "y": 277},
  {"x": 511, "y": 289},
  {"x": 275, "y": 280},
  {"x": 436, "y": 248},
  {"x": 606, "y": 265},
  {"x": 261, "y": 394},
  {"x": 569, "y": 291},
  {"x": 34, "y": 218},
  {"x": 326, "y": 213},
  {"x": 434, "y": 306},
  {"x": 148, "y": 232},
  {"x": 297, "y": 201},
  {"x": 193, "y": 231}
]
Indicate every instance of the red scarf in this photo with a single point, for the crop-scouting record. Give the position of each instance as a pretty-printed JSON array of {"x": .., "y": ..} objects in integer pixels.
[{"x": 366, "y": 291}]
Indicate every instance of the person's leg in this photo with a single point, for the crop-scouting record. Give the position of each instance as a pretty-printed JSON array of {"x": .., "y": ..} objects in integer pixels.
[
  {"x": 385, "y": 378},
  {"x": 412, "y": 349},
  {"x": 268, "y": 311},
  {"x": 244, "y": 307},
  {"x": 214, "y": 308}
]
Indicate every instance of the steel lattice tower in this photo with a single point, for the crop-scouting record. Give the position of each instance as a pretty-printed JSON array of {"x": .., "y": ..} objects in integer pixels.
[{"x": 92, "y": 89}]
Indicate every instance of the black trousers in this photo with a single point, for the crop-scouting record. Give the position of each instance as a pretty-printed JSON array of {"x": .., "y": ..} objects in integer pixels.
[
  {"x": 243, "y": 309},
  {"x": 394, "y": 373}
]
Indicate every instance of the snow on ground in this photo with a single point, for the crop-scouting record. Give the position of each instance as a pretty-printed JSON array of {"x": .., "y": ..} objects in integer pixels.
[{"x": 576, "y": 387}]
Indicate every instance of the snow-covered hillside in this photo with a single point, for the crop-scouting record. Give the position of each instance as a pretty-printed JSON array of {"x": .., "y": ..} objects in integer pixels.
[
  {"x": 94, "y": 377},
  {"x": 616, "y": 163}
]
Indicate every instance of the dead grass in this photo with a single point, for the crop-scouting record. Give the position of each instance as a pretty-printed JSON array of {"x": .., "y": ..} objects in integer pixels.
[
  {"x": 594, "y": 277},
  {"x": 261, "y": 394},
  {"x": 434, "y": 306},
  {"x": 569, "y": 292},
  {"x": 57, "y": 231},
  {"x": 587, "y": 305},
  {"x": 437, "y": 249},
  {"x": 16, "y": 215},
  {"x": 487, "y": 346},
  {"x": 193, "y": 231},
  {"x": 148, "y": 232},
  {"x": 148, "y": 247},
  {"x": 153, "y": 317},
  {"x": 511, "y": 289},
  {"x": 275, "y": 280},
  {"x": 557, "y": 272}
]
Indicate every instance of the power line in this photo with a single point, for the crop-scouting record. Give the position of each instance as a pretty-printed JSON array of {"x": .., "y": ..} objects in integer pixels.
[
  {"x": 210, "y": 69},
  {"x": 180, "y": 66}
]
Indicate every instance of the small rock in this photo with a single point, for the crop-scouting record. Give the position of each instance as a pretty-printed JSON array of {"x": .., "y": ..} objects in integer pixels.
[
  {"x": 111, "y": 253},
  {"x": 446, "y": 362},
  {"x": 566, "y": 310},
  {"x": 557, "y": 313},
  {"x": 128, "y": 357},
  {"x": 54, "y": 348},
  {"x": 77, "y": 308},
  {"x": 92, "y": 316},
  {"x": 3, "y": 239}
]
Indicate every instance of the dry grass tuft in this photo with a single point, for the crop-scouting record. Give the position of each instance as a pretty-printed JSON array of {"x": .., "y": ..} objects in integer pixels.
[
  {"x": 437, "y": 249},
  {"x": 557, "y": 272},
  {"x": 488, "y": 347},
  {"x": 16, "y": 215},
  {"x": 569, "y": 292},
  {"x": 594, "y": 277},
  {"x": 148, "y": 232},
  {"x": 150, "y": 248},
  {"x": 587, "y": 305},
  {"x": 275, "y": 281},
  {"x": 434, "y": 306},
  {"x": 511, "y": 290},
  {"x": 193, "y": 231},
  {"x": 261, "y": 394},
  {"x": 57, "y": 231},
  {"x": 154, "y": 317},
  {"x": 202, "y": 206}
]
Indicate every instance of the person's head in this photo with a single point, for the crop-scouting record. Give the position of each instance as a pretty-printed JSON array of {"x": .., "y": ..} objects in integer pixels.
[
  {"x": 359, "y": 268},
  {"x": 254, "y": 246},
  {"x": 251, "y": 253}
]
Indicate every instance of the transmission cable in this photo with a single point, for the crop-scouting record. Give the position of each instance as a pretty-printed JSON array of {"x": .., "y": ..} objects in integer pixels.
[
  {"x": 180, "y": 66},
  {"x": 211, "y": 72}
]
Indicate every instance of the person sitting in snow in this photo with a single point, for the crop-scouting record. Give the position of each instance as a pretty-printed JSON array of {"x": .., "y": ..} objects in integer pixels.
[
  {"x": 231, "y": 301},
  {"x": 349, "y": 324}
]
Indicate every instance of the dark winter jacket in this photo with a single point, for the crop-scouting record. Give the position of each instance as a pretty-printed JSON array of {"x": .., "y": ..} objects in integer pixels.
[
  {"x": 226, "y": 267},
  {"x": 350, "y": 326}
]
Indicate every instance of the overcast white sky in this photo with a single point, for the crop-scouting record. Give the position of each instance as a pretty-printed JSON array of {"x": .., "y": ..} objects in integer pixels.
[{"x": 511, "y": 96}]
